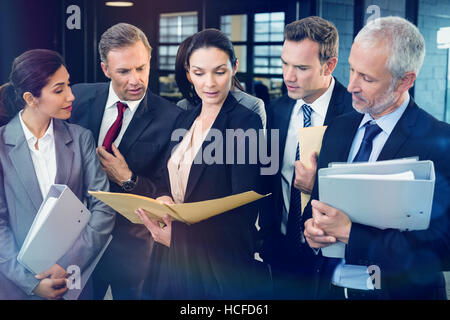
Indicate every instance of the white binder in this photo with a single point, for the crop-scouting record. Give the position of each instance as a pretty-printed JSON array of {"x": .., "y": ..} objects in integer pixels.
[
  {"x": 58, "y": 223},
  {"x": 381, "y": 202}
]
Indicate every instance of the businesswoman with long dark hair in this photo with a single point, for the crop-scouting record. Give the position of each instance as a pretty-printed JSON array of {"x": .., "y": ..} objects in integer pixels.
[
  {"x": 190, "y": 97},
  {"x": 38, "y": 149},
  {"x": 212, "y": 259}
]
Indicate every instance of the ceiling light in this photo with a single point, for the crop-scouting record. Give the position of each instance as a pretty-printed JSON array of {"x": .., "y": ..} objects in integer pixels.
[{"x": 119, "y": 4}]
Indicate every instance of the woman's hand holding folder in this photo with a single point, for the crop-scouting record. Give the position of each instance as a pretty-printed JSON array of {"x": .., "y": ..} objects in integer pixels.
[
  {"x": 161, "y": 233},
  {"x": 53, "y": 283}
]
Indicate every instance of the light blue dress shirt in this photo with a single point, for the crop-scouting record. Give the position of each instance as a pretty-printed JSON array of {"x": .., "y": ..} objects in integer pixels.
[{"x": 353, "y": 276}]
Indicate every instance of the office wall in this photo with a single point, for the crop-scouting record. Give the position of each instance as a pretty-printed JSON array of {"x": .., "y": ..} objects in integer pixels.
[
  {"x": 27, "y": 25},
  {"x": 341, "y": 13},
  {"x": 431, "y": 85}
]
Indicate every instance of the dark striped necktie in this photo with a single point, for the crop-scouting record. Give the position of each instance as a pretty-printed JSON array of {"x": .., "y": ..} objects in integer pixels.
[{"x": 294, "y": 230}]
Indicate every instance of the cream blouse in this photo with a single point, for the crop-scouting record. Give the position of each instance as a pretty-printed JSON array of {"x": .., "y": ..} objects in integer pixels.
[{"x": 179, "y": 164}]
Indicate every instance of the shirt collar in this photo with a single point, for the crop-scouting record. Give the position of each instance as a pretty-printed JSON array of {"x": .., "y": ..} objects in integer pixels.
[
  {"x": 30, "y": 137},
  {"x": 388, "y": 121},
  {"x": 113, "y": 98},
  {"x": 320, "y": 105}
]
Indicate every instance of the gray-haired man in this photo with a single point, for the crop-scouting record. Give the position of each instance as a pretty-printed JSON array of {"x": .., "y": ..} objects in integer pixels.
[{"x": 385, "y": 60}]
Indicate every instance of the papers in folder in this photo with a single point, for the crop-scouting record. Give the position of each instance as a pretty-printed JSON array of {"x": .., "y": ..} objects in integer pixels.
[
  {"x": 126, "y": 204},
  {"x": 394, "y": 194},
  {"x": 58, "y": 223},
  {"x": 310, "y": 140}
]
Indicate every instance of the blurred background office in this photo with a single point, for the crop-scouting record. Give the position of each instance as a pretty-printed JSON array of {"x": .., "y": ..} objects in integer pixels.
[{"x": 73, "y": 27}]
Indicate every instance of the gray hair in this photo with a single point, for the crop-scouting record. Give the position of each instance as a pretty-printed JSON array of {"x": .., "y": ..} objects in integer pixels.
[
  {"x": 402, "y": 37},
  {"x": 119, "y": 36}
]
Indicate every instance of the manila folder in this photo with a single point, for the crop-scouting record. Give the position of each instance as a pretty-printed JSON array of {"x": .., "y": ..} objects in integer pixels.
[
  {"x": 310, "y": 140},
  {"x": 126, "y": 204}
]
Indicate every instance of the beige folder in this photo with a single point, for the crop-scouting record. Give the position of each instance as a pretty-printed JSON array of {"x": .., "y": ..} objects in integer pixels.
[
  {"x": 310, "y": 140},
  {"x": 126, "y": 204}
]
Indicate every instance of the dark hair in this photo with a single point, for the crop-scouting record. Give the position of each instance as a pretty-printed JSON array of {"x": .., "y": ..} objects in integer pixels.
[
  {"x": 30, "y": 72},
  {"x": 119, "y": 36},
  {"x": 318, "y": 30},
  {"x": 208, "y": 38},
  {"x": 181, "y": 79}
]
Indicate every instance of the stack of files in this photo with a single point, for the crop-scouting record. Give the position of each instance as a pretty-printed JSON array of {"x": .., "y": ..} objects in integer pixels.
[
  {"x": 57, "y": 225},
  {"x": 395, "y": 194},
  {"x": 126, "y": 204}
]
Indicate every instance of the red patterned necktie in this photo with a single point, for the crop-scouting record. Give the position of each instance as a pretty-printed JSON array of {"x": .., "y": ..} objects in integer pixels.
[{"x": 114, "y": 130}]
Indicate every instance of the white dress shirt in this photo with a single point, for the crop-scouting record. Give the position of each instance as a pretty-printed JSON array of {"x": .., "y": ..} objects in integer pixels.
[
  {"x": 110, "y": 115},
  {"x": 353, "y": 276},
  {"x": 319, "y": 107},
  {"x": 44, "y": 159}
]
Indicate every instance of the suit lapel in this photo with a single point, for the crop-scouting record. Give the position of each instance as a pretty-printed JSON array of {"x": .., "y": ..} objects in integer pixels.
[
  {"x": 348, "y": 134},
  {"x": 21, "y": 160},
  {"x": 141, "y": 120},
  {"x": 64, "y": 154},
  {"x": 97, "y": 110},
  {"x": 220, "y": 123},
  {"x": 400, "y": 134},
  {"x": 336, "y": 105},
  {"x": 341, "y": 139}
]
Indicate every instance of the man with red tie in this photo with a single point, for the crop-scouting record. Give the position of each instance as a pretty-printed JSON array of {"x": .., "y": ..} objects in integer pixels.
[{"x": 133, "y": 128}]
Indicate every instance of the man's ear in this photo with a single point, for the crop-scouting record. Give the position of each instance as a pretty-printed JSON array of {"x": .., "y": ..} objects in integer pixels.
[
  {"x": 30, "y": 100},
  {"x": 105, "y": 69},
  {"x": 330, "y": 65},
  {"x": 403, "y": 84}
]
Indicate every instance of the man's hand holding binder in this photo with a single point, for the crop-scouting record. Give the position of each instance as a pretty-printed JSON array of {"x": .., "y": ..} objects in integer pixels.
[
  {"x": 326, "y": 226},
  {"x": 394, "y": 194}
]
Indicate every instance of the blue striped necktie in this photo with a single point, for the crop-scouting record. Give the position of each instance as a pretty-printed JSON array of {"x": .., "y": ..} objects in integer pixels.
[{"x": 294, "y": 230}]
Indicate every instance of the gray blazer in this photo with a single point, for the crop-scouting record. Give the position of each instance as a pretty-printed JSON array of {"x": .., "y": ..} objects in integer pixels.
[
  {"x": 247, "y": 100},
  {"x": 20, "y": 199}
]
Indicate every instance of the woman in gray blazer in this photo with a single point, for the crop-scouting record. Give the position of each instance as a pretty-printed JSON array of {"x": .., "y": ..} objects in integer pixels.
[{"x": 38, "y": 149}]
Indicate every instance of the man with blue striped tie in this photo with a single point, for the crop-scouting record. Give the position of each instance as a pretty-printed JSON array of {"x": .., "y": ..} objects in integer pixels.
[
  {"x": 314, "y": 98},
  {"x": 385, "y": 58}
]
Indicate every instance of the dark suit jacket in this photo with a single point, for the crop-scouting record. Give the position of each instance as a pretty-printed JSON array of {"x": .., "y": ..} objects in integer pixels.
[
  {"x": 214, "y": 258},
  {"x": 143, "y": 147},
  {"x": 147, "y": 136},
  {"x": 278, "y": 117},
  {"x": 410, "y": 262}
]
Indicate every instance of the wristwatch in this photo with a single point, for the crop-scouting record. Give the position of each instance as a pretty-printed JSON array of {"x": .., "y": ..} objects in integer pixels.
[{"x": 130, "y": 184}]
